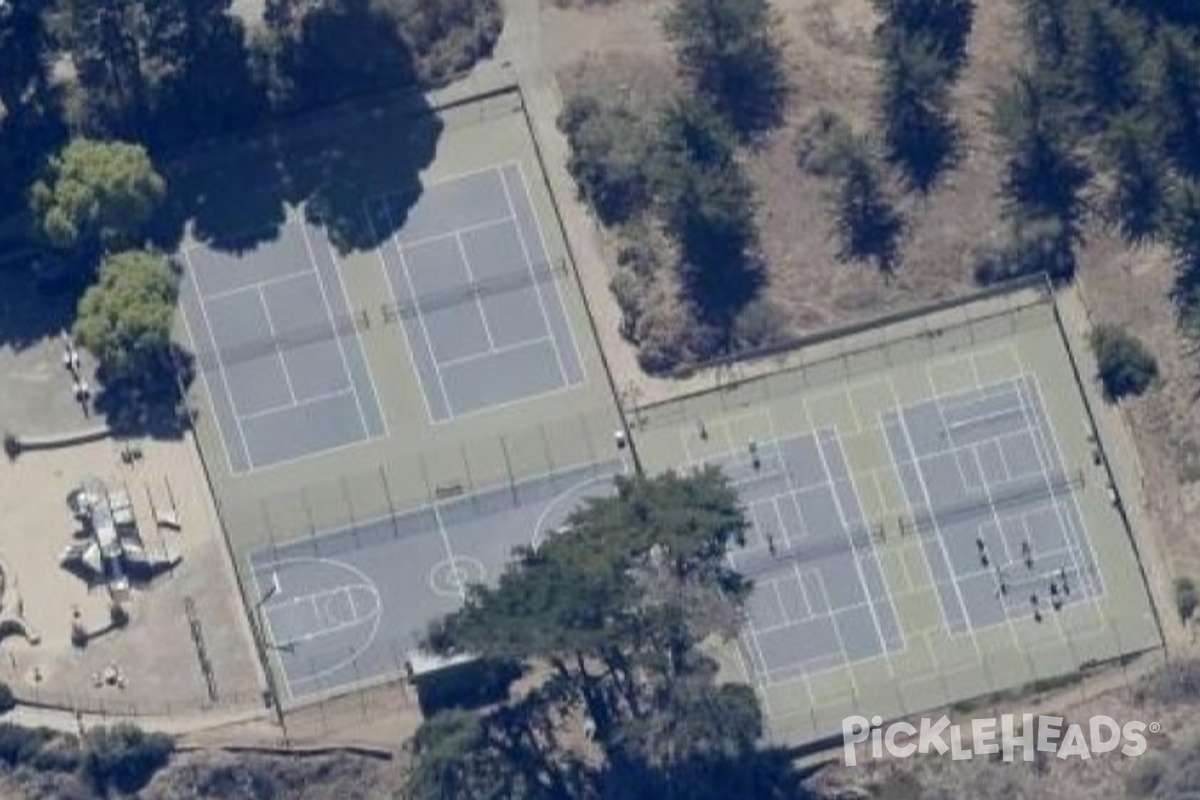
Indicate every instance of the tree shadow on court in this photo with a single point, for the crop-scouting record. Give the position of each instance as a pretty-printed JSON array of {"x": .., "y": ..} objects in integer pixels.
[{"x": 345, "y": 134}]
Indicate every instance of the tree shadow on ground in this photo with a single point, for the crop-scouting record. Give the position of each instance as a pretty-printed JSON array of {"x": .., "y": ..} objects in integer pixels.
[
  {"x": 148, "y": 404},
  {"x": 32, "y": 306}
]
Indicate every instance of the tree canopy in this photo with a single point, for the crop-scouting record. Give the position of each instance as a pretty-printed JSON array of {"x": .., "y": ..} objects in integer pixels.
[
  {"x": 730, "y": 50},
  {"x": 96, "y": 195},
  {"x": 125, "y": 318},
  {"x": 615, "y": 606},
  {"x": 866, "y": 224},
  {"x": 1126, "y": 366},
  {"x": 707, "y": 203}
]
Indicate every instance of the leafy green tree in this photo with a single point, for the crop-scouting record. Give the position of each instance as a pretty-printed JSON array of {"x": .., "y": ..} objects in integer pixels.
[
  {"x": 30, "y": 124},
  {"x": 125, "y": 318},
  {"x": 610, "y": 156},
  {"x": 1043, "y": 175},
  {"x": 1037, "y": 244},
  {"x": 458, "y": 755},
  {"x": 196, "y": 61},
  {"x": 320, "y": 52},
  {"x": 707, "y": 203},
  {"x": 1130, "y": 153},
  {"x": 102, "y": 37},
  {"x": 919, "y": 131},
  {"x": 1047, "y": 25},
  {"x": 944, "y": 24},
  {"x": 1105, "y": 56},
  {"x": 1126, "y": 366},
  {"x": 1175, "y": 89},
  {"x": 1182, "y": 232},
  {"x": 730, "y": 50},
  {"x": 616, "y": 604},
  {"x": 96, "y": 195},
  {"x": 123, "y": 757},
  {"x": 866, "y": 224}
]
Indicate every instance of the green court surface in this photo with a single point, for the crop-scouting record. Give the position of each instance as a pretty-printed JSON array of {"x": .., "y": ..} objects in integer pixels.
[{"x": 931, "y": 517}]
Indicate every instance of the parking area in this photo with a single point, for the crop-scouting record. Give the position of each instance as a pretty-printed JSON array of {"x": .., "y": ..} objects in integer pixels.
[
  {"x": 277, "y": 347},
  {"x": 477, "y": 294}
]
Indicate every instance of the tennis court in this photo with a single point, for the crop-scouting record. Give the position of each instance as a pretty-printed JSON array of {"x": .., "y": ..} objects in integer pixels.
[
  {"x": 278, "y": 349},
  {"x": 477, "y": 294},
  {"x": 931, "y": 517},
  {"x": 995, "y": 506},
  {"x": 342, "y": 608}
]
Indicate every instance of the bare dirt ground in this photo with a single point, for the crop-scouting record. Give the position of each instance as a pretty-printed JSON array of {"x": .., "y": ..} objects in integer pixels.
[
  {"x": 828, "y": 51},
  {"x": 155, "y": 652}
]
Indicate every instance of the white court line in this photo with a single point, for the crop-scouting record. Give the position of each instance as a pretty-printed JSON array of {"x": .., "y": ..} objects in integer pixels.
[
  {"x": 846, "y": 534},
  {"x": 779, "y": 601},
  {"x": 362, "y": 353},
  {"x": 221, "y": 369},
  {"x": 1096, "y": 572},
  {"x": 562, "y": 368},
  {"x": 495, "y": 351},
  {"x": 779, "y": 517},
  {"x": 1044, "y": 464},
  {"x": 257, "y": 285},
  {"x": 287, "y": 378},
  {"x": 812, "y": 610},
  {"x": 210, "y": 395},
  {"x": 842, "y": 642},
  {"x": 987, "y": 493},
  {"x": 312, "y": 256},
  {"x": 537, "y": 224},
  {"x": 458, "y": 232},
  {"x": 980, "y": 420},
  {"x": 387, "y": 279},
  {"x": 437, "y": 516},
  {"x": 487, "y": 331},
  {"x": 416, "y": 300},
  {"x": 937, "y": 529},
  {"x": 375, "y": 618},
  {"x": 308, "y": 401}
]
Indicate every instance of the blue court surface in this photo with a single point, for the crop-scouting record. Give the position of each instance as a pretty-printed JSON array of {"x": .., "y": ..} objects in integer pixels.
[
  {"x": 995, "y": 507},
  {"x": 819, "y": 596},
  {"x": 277, "y": 347},
  {"x": 344, "y": 608},
  {"x": 477, "y": 294}
]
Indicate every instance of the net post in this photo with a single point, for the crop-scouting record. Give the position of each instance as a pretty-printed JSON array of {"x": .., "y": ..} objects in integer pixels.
[{"x": 387, "y": 491}]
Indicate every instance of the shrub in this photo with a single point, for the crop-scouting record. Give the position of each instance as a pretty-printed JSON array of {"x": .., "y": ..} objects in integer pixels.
[
  {"x": 20, "y": 745},
  {"x": 123, "y": 757},
  {"x": 610, "y": 150},
  {"x": 1126, "y": 366},
  {"x": 8, "y": 701},
  {"x": 1186, "y": 599},
  {"x": 447, "y": 36}
]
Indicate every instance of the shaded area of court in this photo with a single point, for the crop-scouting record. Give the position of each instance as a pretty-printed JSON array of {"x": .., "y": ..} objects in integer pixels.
[
  {"x": 344, "y": 607},
  {"x": 278, "y": 350},
  {"x": 477, "y": 294}
]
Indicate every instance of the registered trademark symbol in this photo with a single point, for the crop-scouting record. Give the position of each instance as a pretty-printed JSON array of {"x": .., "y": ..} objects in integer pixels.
[{"x": 1155, "y": 727}]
